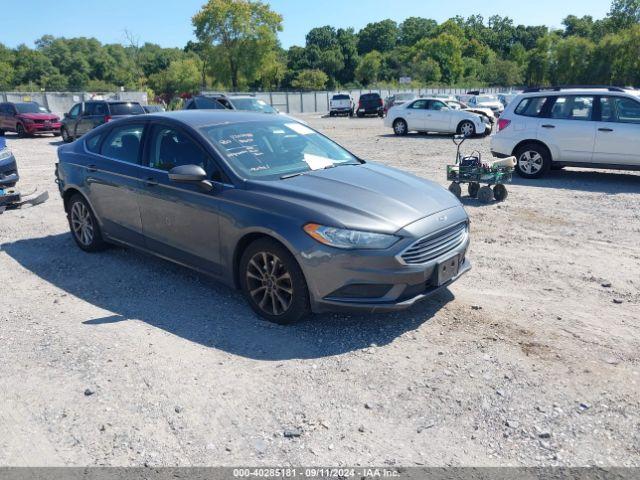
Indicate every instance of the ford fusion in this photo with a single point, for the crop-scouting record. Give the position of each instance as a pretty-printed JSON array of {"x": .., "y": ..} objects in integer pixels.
[{"x": 266, "y": 205}]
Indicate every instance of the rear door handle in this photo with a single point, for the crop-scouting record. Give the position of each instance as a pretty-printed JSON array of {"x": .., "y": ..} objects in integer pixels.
[
  {"x": 548, "y": 126},
  {"x": 605, "y": 129},
  {"x": 151, "y": 182},
  {"x": 92, "y": 168}
]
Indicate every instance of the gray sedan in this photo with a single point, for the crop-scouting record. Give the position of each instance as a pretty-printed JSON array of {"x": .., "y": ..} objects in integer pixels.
[{"x": 267, "y": 205}]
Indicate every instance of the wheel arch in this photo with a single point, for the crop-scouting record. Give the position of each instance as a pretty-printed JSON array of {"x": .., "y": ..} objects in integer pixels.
[
  {"x": 244, "y": 243},
  {"x": 535, "y": 142}
]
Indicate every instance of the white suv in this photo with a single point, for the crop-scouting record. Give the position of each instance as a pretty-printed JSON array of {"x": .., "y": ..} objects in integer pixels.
[{"x": 596, "y": 127}]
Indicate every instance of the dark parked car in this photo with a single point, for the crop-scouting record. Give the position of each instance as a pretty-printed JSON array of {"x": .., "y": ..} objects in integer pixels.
[
  {"x": 370, "y": 104},
  {"x": 27, "y": 118},
  {"x": 84, "y": 117},
  {"x": 153, "y": 108},
  {"x": 267, "y": 205},
  {"x": 8, "y": 167},
  {"x": 208, "y": 102}
]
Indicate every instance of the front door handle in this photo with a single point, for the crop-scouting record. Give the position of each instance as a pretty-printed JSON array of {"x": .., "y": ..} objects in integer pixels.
[
  {"x": 92, "y": 168},
  {"x": 151, "y": 182},
  {"x": 605, "y": 129},
  {"x": 548, "y": 126}
]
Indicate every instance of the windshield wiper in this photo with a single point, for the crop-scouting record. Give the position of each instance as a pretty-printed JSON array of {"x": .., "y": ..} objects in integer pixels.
[{"x": 297, "y": 174}]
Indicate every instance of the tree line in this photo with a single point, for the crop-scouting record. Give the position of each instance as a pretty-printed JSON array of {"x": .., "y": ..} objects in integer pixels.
[{"x": 237, "y": 48}]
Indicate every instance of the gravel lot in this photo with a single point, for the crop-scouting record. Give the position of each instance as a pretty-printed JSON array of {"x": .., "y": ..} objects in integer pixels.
[{"x": 531, "y": 359}]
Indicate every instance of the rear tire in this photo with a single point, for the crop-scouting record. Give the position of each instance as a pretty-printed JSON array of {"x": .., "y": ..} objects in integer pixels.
[
  {"x": 485, "y": 194},
  {"x": 500, "y": 193},
  {"x": 400, "y": 127},
  {"x": 273, "y": 283},
  {"x": 84, "y": 225},
  {"x": 456, "y": 189},
  {"x": 473, "y": 189},
  {"x": 532, "y": 160}
]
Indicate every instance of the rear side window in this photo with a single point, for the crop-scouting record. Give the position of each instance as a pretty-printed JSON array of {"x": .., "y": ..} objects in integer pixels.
[
  {"x": 126, "y": 109},
  {"x": 207, "y": 104},
  {"x": 627, "y": 110},
  {"x": 531, "y": 107},
  {"x": 123, "y": 143},
  {"x": 572, "y": 108},
  {"x": 93, "y": 143},
  {"x": 89, "y": 108}
]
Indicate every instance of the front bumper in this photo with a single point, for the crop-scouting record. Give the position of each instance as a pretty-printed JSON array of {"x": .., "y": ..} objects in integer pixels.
[
  {"x": 379, "y": 280},
  {"x": 8, "y": 172},
  {"x": 32, "y": 128}
]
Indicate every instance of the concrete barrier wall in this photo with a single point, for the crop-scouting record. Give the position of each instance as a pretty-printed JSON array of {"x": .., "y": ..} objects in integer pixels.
[
  {"x": 61, "y": 102},
  {"x": 310, "y": 102}
]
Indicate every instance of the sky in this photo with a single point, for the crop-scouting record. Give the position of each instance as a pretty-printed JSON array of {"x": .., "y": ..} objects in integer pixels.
[{"x": 168, "y": 22}]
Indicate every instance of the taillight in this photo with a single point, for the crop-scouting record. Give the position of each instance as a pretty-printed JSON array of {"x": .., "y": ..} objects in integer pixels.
[
  {"x": 107, "y": 118},
  {"x": 381, "y": 103},
  {"x": 503, "y": 123}
]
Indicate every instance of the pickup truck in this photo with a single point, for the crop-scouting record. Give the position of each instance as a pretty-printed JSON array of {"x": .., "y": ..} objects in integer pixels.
[{"x": 341, "y": 104}]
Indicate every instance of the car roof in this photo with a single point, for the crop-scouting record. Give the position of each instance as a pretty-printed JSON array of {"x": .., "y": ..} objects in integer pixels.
[
  {"x": 205, "y": 118},
  {"x": 581, "y": 91}
]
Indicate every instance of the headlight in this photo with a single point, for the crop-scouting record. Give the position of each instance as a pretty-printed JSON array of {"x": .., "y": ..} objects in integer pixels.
[
  {"x": 5, "y": 153},
  {"x": 349, "y": 239}
]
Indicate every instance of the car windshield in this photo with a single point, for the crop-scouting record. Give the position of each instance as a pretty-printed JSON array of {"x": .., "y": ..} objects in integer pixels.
[
  {"x": 126, "y": 109},
  {"x": 487, "y": 98},
  {"x": 28, "y": 108},
  {"x": 252, "y": 104},
  {"x": 273, "y": 149}
]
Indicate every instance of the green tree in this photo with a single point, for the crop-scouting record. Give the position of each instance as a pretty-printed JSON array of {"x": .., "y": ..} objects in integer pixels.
[
  {"x": 623, "y": 14},
  {"x": 414, "y": 29},
  {"x": 446, "y": 50},
  {"x": 428, "y": 71},
  {"x": 182, "y": 76},
  {"x": 246, "y": 31},
  {"x": 381, "y": 36},
  {"x": 310, "y": 80},
  {"x": 369, "y": 68},
  {"x": 571, "y": 61}
]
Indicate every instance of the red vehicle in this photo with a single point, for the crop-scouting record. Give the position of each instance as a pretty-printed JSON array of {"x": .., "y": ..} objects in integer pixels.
[{"x": 27, "y": 118}]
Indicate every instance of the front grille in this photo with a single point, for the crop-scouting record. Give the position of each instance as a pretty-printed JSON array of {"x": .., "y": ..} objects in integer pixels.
[{"x": 433, "y": 246}]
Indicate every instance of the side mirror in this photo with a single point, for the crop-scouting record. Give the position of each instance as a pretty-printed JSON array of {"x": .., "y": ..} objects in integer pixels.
[
  {"x": 66, "y": 114},
  {"x": 194, "y": 174},
  {"x": 187, "y": 174}
]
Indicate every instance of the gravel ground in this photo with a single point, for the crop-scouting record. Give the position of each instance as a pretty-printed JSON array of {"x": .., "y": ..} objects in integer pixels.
[{"x": 531, "y": 359}]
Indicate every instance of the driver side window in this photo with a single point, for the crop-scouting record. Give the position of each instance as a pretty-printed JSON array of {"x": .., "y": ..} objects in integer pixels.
[
  {"x": 171, "y": 148},
  {"x": 419, "y": 105},
  {"x": 75, "y": 111}
]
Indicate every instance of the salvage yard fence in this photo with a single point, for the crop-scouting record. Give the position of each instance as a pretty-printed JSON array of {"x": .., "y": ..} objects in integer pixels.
[
  {"x": 61, "y": 102},
  {"x": 285, "y": 101},
  {"x": 318, "y": 102}
]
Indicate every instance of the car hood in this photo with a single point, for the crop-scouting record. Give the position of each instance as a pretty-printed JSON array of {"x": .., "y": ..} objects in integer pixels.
[
  {"x": 490, "y": 104},
  {"x": 362, "y": 197},
  {"x": 38, "y": 116}
]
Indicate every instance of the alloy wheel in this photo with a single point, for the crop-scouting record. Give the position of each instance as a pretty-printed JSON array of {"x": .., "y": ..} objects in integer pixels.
[
  {"x": 400, "y": 127},
  {"x": 82, "y": 224},
  {"x": 467, "y": 129},
  {"x": 530, "y": 162},
  {"x": 269, "y": 283}
]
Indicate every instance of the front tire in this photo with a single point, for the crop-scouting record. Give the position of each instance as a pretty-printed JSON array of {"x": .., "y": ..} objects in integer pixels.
[
  {"x": 66, "y": 138},
  {"x": 467, "y": 128},
  {"x": 20, "y": 131},
  {"x": 532, "y": 160},
  {"x": 84, "y": 226},
  {"x": 273, "y": 283},
  {"x": 400, "y": 127}
]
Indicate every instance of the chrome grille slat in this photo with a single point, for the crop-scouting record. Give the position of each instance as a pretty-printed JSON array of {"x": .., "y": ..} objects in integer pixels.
[{"x": 433, "y": 246}]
